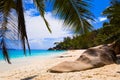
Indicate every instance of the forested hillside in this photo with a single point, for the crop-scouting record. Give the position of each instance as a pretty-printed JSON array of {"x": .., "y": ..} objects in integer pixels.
[
  {"x": 104, "y": 35},
  {"x": 109, "y": 32}
]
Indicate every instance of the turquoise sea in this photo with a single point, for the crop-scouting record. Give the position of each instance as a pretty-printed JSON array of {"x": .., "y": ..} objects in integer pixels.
[{"x": 19, "y": 53}]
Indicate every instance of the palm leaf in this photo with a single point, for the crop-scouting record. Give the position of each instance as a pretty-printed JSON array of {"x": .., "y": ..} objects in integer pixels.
[
  {"x": 74, "y": 13},
  {"x": 5, "y": 10},
  {"x": 40, "y": 4},
  {"x": 113, "y": 11},
  {"x": 113, "y": 15},
  {"x": 12, "y": 23},
  {"x": 4, "y": 50},
  {"x": 22, "y": 26}
]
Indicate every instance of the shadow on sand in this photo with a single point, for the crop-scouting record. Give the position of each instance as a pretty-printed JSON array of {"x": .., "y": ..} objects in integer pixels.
[{"x": 30, "y": 78}]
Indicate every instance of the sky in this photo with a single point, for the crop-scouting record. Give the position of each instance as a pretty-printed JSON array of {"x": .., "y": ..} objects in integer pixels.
[{"x": 39, "y": 36}]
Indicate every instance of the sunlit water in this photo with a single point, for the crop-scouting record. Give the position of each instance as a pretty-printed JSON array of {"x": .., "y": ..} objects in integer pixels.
[{"x": 13, "y": 54}]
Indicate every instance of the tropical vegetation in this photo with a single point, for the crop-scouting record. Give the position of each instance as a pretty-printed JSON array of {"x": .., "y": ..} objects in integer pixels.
[
  {"x": 109, "y": 32},
  {"x": 74, "y": 13}
]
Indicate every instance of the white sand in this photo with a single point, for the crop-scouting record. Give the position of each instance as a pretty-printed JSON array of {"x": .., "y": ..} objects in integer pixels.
[{"x": 36, "y": 69}]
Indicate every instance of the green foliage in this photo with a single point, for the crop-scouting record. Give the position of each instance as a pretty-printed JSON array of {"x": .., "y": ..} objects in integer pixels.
[
  {"x": 104, "y": 35},
  {"x": 108, "y": 33},
  {"x": 113, "y": 15},
  {"x": 74, "y": 13}
]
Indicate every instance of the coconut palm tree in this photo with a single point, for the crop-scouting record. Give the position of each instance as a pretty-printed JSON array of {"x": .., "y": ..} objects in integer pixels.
[
  {"x": 74, "y": 13},
  {"x": 113, "y": 12},
  {"x": 113, "y": 15}
]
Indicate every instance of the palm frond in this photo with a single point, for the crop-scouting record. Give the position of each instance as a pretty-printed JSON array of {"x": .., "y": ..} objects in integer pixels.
[
  {"x": 22, "y": 26},
  {"x": 75, "y": 14},
  {"x": 113, "y": 15},
  {"x": 2, "y": 36},
  {"x": 4, "y": 50},
  {"x": 5, "y": 10},
  {"x": 12, "y": 25},
  {"x": 40, "y": 4},
  {"x": 113, "y": 10}
]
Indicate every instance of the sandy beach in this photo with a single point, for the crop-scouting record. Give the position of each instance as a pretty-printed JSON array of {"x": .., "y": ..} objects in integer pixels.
[{"x": 36, "y": 69}]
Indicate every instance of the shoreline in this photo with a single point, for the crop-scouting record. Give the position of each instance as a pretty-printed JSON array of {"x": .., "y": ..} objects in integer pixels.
[
  {"x": 21, "y": 61},
  {"x": 39, "y": 54},
  {"x": 36, "y": 69}
]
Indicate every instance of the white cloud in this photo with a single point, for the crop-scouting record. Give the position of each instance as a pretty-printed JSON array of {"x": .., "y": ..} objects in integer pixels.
[
  {"x": 99, "y": 20},
  {"x": 31, "y": 12},
  {"x": 28, "y": 1},
  {"x": 39, "y": 36},
  {"x": 102, "y": 19}
]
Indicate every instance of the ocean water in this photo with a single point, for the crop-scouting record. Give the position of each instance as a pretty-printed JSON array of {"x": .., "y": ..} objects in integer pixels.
[{"x": 13, "y": 54}]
